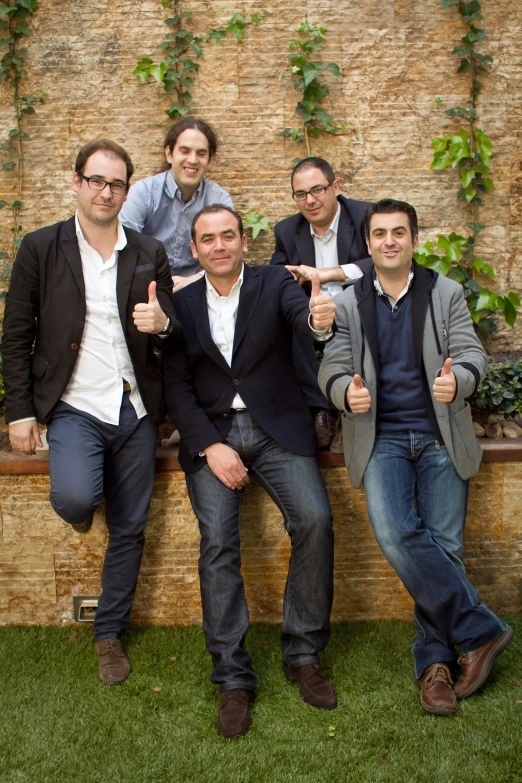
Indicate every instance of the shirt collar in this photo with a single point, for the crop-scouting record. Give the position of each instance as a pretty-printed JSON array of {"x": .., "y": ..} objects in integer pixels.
[
  {"x": 211, "y": 291},
  {"x": 121, "y": 242},
  {"x": 172, "y": 187},
  {"x": 381, "y": 292},
  {"x": 332, "y": 229}
]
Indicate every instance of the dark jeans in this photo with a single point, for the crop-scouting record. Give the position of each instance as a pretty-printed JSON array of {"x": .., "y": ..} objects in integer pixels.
[
  {"x": 88, "y": 458},
  {"x": 417, "y": 506},
  {"x": 296, "y": 486}
]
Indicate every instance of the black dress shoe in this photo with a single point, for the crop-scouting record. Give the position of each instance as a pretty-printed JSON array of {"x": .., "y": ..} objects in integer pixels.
[
  {"x": 325, "y": 426},
  {"x": 313, "y": 685},
  {"x": 234, "y": 717},
  {"x": 83, "y": 527}
]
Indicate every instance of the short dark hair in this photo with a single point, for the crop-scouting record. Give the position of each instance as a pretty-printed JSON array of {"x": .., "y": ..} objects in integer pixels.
[
  {"x": 314, "y": 163},
  {"x": 102, "y": 145},
  {"x": 191, "y": 123},
  {"x": 216, "y": 208},
  {"x": 387, "y": 206}
]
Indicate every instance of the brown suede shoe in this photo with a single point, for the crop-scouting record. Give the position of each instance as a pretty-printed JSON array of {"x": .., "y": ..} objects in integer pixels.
[
  {"x": 325, "y": 424},
  {"x": 313, "y": 685},
  {"x": 437, "y": 695},
  {"x": 83, "y": 527},
  {"x": 113, "y": 665},
  {"x": 234, "y": 717},
  {"x": 477, "y": 664}
]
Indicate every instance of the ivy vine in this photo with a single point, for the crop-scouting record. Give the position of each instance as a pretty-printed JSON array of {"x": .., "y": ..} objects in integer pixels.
[
  {"x": 469, "y": 151},
  {"x": 14, "y": 27},
  {"x": 315, "y": 120},
  {"x": 176, "y": 70}
]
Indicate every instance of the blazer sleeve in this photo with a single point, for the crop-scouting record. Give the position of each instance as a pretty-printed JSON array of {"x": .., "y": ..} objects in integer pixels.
[
  {"x": 336, "y": 371},
  {"x": 279, "y": 256},
  {"x": 470, "y": 360},
  {"x": 21, "y": 312},
  {"x": 166, "y": 301}
]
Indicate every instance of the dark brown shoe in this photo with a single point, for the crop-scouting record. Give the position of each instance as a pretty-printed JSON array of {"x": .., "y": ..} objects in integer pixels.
[
  {"x": 113, "y": 665},
  {"x": 477, "y": 665},
  {"x": 234, "y": 717},
  {"x": 83, "y": 527},
  {"x": 325, "y": 426},
  {"x": 313, "y": 685},
  {"x": 437, "y": 695}
]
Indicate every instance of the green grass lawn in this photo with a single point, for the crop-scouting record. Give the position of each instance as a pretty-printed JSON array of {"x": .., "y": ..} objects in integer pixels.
[{"x": 59, "y": 723}]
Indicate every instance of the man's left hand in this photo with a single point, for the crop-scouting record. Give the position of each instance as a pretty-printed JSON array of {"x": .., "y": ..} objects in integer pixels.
[
  {"x": 304, "y": 274},
  {"x": 150, "y": 317},
  {"x": 445, "y": 386},
  {"x": 322, "y": 307}
]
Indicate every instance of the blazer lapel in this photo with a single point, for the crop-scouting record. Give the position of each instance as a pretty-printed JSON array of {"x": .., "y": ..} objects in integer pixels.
[
  {"x": 248, "y": 298},
  {"x": 345, "y": 235},
  {"x": 197, "y": 303},
  {"x": 71, "y": 251},
  {"x": 127, "y": 259},
  {"x": 423, "y": 282},
  {"x": 365, "y": 295},
  {"x": 305, "y": 244}
]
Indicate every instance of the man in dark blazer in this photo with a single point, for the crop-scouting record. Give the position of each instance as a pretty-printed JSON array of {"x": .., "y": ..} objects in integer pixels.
[
  {"x": 325, "y": 235},
  {"x": 235, "y": 397},
  {"x": 87, "y": 304}
]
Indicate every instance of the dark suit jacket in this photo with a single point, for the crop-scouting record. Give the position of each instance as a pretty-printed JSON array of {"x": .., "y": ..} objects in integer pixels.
[
  {"x": 200, "y": 386},
  {"x": 295, "y": 244},
  {"x": 46, "y": 306}
]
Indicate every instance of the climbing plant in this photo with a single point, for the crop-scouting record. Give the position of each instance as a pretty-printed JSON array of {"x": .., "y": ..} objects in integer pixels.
[
  {"x": 15, "y": 16},
  {"x": 177, "y": 69},
  {"x": 305, "y": 70},
  {"x": 468, "y": 151}
]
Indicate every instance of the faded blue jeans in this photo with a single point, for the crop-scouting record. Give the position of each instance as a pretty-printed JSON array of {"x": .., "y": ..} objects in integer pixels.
[
  {"x": 296, "y": 486},
  {"x": 417, "y": 507}
]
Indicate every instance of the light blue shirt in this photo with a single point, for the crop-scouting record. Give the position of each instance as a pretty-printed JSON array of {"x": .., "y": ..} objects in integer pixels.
[{"x": 155, "y": 207}]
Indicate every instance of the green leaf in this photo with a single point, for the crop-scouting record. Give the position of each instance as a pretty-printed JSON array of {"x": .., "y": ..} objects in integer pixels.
[
  {"x": 510, "y": 314},
  {"x": 484, "y": 300},
  {"x": 514, "y": 298},
  {"x": 441, "y": 160},
  {"x": 483, "y": 268},
  {"x": 310, "y": 73},
  {"x": 196, "y": 48},
  {"x": 470, "y": 194},
  {"x": 467, "y": 175},
  {"x": 333, "y": 68},
  {"x": 22, "y": 29},
  {"x": 3, "y": 203},
  {"x": 448, "y": 3},
  {"x": 158, "y": 71},
  {"x": 464, "y": 66},
  {"x": 16, "y": 205},
  {"x": 9, "y": 165},
  {"x": 488, "y": 183}
]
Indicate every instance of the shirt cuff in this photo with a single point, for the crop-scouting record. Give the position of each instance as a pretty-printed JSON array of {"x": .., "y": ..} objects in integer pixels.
[
  {"x": 352, "y": 271},
  {"x": 319, "y": 334},
  {"x": 19, "y": 421}
]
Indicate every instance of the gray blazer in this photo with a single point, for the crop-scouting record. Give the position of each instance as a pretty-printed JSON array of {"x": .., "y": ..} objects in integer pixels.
[{"x": 442, "y": 328}]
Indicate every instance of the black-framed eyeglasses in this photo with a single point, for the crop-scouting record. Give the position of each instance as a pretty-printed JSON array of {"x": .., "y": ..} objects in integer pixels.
[
  {"x": 96, "y": 183},
  {"x": 317, "y": 190}
]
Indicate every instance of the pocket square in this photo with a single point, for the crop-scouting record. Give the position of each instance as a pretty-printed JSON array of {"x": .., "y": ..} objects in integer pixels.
[{"x": 143, "y": 268}]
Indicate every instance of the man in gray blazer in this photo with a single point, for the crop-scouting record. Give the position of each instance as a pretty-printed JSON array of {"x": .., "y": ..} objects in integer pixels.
[{"x": 402, "y": 363}]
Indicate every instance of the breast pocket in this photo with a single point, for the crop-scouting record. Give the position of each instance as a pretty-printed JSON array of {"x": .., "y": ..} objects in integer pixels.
[{"x": 264, "y": 327}]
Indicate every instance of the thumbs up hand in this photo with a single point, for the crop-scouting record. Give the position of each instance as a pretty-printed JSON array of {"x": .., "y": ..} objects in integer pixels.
[
  {"x": 149, "y": 317},
  {"x": 322, "y": 307},
  {"x": 445, "y": 386},
  {"x": 358, "y": 396}
]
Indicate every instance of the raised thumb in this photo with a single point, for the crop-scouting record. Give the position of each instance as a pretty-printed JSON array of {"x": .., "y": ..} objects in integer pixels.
[
  {"x": 357, "y": 382},
  {"x": 152, "y": 293},
  {"x": 447, "y": 367},
  {"x": 316, "y": 285}
]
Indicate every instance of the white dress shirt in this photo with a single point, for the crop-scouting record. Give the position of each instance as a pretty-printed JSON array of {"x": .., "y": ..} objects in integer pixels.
[
  {"x": 104, "y": 362},
  {"x": 326, "y": 256}
]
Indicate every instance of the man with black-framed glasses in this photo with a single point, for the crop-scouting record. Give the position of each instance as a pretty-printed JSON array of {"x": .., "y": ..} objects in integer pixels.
[
  {"x": 87, "y": 304},
  {"x": 326, "y": 235}
]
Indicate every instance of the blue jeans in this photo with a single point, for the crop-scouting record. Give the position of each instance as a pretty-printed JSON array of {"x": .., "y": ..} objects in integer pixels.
[
  {"x": 296, "y": 486},
  {"x": 417, "y": 507},
  {"x": 87, "y": 458}
]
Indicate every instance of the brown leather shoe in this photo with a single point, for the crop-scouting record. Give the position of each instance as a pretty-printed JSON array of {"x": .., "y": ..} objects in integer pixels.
[
  {"x": 83, "y": 527},
  {"x": 313, "y": 685},
  {"x": 325, "y": 425},
  {"x": 113, "y": 666},
  {"x": 234, "y": 717},
  {"x": 437, "y": 695},
  {"x": 477, "y": 665}
]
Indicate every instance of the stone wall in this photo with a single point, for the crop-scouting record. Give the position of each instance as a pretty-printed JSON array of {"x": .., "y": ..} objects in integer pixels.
[
  {"x": 395, "y": 61},
  {"x": 43, "y": 563}
]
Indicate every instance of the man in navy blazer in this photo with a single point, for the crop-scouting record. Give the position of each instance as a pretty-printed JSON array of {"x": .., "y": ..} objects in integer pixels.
[
  {"x": 326, "y": 235},
  {"x": 235, "y": 397}
]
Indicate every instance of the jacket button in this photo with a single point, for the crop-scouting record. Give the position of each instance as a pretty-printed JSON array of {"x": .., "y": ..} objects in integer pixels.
[
  {"x": 226, "y": 415},
  {"x": 74, "y": 346},
  {"x": 236, "y": 382}
]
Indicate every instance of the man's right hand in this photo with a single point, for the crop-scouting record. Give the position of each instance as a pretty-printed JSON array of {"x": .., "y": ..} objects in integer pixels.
[
  {"x": 226, "y": 465},
  {"x": 180, "y": 282},
  {"x": 358, "y": 396},
  {"x": 24, "y": 435}
]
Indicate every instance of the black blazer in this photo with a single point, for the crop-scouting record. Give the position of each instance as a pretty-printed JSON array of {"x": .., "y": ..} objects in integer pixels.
[
  {"x": 200, "y": 386},
  {"x": 295, "y": 244},
  {"x": 45, "y": 306}
]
